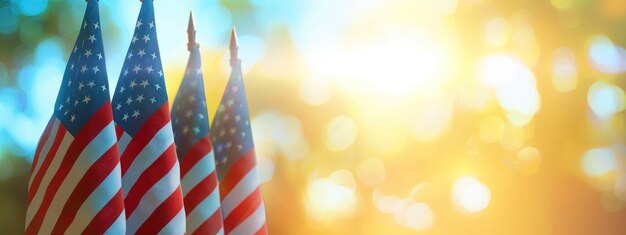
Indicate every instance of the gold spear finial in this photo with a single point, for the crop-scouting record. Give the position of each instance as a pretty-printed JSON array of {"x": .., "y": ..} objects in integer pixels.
[
  {"x": 234, "y": 49},
  {"x": 191, "y": 33}
]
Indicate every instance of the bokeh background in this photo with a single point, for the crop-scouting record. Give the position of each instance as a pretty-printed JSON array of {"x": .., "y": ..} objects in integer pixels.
[{"x": 375, "y": 116}]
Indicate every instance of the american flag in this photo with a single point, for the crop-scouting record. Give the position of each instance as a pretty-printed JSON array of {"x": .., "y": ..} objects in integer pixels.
[
  {"x": 75, "y": 183},
  {"x": 193, "y": 146},
  {"x": 150, "y": 172},
  {"x": 242, "y": 203}
]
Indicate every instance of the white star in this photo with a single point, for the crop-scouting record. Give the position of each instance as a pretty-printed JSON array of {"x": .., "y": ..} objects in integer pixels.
[
  {"x": 149, "y": 69},
  {"x": 232, "y": 131},
  {"x": 72, "y": 119},
  {"x": 125, "y": 117},
  {"x": 157, "y": 86},
  {"x": 130, "y": 55},
  {"x": 85, "y": 24},
  {"x": 230, "y": 102},
  {"x": 119, "y": 106},
  {"x": 201, "y": 116},
  {"x": 80, "y": 86},
  {"x": 137, "y": 69},
  {"x": 243, "y": 134},
  {"x": 72, "y": 66},
  {"x": 104, "y": 87},
  {"x": 161, "y": 73},
  {"x": 146, "y": 38},
  {"x": 228, "y": 145},
  {"x": 185, "y": 129},
  {"x": 92, "y": 38},
  {"x": 144, "y": 83},
  {"x": 69, "y": 82},
  {"x": 153, "y": 56},
  {"x": 91, "y": 84},
  {"x": 198, "y": 71},
  {"x": 60, "y": 107},
  {"x": 151, "y": 24},
  {"x": 188, "y": 113},
  {"x": 87, "y": 99},
  {"x": 135, "y": 38},
  {"x": 152, "y": 100},
  {"x": 222, "y": 133},
  {"x": 141, "y": 53},
  {"x": 226, "y": 117},
  {"x": 88, "y": 53},
  {"x": 140, "y": 98},
  {"x": 122, "y": 89},
  {"x": 136, "y": 113},
  {"x": 67, "y": 101},
  {"x": 196, "y": 130},
  {"x": 95, "y": 69},
  {"x": 192, "y": 99},
  {"x": 139, "y": 24},
  {"x": 99, "y": 56},
  {"x": 235, "y": 89},
  {"x": 125, "y": 72},
  {"x": 66, "y": 112},
  {"x": 239, "y": 147},
  {"x": 96, "y": 25},
  {"x": 237, "y": 118},
  {"x": 76, "y": 102},
  {"x": 75, "y": 48},
  {"x": 129, "y": 100}
]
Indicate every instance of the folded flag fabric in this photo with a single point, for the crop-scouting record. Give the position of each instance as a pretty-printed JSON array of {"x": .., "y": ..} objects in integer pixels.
[
  {"x": 150, "y": 171},
  {"x": 242, "y": 203},
  {"x": 193, "y": 146},
  {"x": 75, "y": 183}
]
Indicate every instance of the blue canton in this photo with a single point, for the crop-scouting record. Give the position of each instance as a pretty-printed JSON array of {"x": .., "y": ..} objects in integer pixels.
[
  {"x": 141, "y": 88},
  {"x": 189, "y": 114},
  {"x": 85, "y": 85},
  {"x": 230, "y": 132}
]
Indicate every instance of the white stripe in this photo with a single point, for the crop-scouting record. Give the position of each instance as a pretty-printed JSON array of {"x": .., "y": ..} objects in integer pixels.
[
  {"x": 90, "y": 154},
  {"x": 150, "y": 153},
  {"x": 244, "y": 187},
  {"x": 252, "y": 224},
  {"x": 96, "y": 201},
  {"x": 198, "y": 172},
  {"x": 52, "y": 169},
  {"x": 203, "y": 211},
  {"x": 176, "y": 225},
  {"x": 221, "y": 232},
  {"x": 153, "y": 198},
  {"x": 118, "y": 227},
  {"x": 44, "y": 150},
  {"x": 123, "y": 142}
]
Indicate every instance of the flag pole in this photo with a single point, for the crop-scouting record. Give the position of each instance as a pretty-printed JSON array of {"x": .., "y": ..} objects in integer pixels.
[
  {"x": 191, "y": 33},
  {"x": 234, "y": 49}
]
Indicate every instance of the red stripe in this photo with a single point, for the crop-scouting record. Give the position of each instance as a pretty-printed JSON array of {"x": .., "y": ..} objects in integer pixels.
[
  {"x": 243, "y": 210},
  {"x": 119, "y": 132},
  {"x": 237, "y": 172},
  {"x": 195, "y": 154},
  {"x": 46, "y": 163},
  {"x": 107, "y": 215},
  {"x": 196, "y": 195},
  {"x": 158, "y": 120},
  {"x": 262, "y": 230},
  {"x": 212, "y": 225},
  {"x": 90, "y": 130},
  {"x": 42, "y": 142},
  {"x": 149, "y": 177},
  {"x": 93, "y": 178},
  {"x": 163, "y": 214}
]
